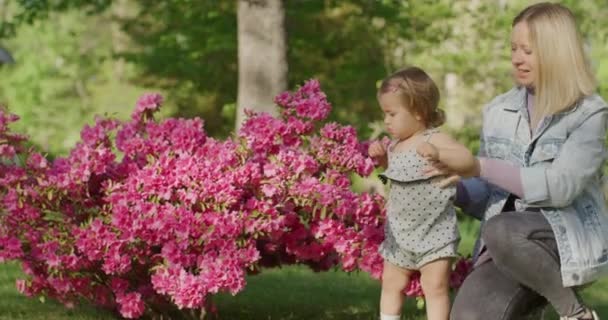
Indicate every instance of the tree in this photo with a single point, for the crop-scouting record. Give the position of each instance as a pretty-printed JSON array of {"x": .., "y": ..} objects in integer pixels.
[
  {"x": 189, "y": 50},
  {"x": 262, "y": 51}
]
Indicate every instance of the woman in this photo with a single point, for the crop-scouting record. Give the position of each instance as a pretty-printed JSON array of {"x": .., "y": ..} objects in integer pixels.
[{"x": 537, "y": 183}]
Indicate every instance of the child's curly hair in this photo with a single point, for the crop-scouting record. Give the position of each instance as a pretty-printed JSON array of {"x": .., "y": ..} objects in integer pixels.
[{"x": 418, "y": 93}]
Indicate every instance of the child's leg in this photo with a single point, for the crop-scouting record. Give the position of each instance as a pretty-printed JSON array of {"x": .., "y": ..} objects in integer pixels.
[
  {"x": 394, "y": 280},
  {"x": 435, "y": 281}
]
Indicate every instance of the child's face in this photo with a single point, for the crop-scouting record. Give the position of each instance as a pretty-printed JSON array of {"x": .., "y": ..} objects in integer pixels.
[{"x": 400, "y": 123}]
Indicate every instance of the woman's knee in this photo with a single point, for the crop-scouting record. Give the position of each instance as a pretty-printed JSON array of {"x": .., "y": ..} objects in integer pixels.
[
  {"x": 466, "y": 310},
  {"x": 498, "y": 231}
]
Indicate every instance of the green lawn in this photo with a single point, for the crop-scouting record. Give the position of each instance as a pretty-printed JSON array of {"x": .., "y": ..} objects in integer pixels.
[
  {"x": 13, "y": 305},
  {"x": 293, "y": 293}
]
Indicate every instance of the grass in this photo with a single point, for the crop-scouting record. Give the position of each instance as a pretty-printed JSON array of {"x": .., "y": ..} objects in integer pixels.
[
  {"x": 291, "y": 293},
  {"x": 13, "y": 305}
]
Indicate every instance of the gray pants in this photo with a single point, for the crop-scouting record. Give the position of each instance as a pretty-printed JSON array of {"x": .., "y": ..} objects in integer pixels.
[{"x": 523, "y": 274}]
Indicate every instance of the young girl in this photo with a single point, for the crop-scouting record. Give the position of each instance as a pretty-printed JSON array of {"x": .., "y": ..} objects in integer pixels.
[{"x": 421, "y": 232}]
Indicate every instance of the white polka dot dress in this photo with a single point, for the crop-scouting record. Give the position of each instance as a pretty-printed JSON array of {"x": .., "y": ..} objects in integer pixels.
[{"x": 421, "y": 223}]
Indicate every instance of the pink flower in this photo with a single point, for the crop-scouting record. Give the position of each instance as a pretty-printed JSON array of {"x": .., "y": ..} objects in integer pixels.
[
  {"x": 414, "y": 287},
  {"x": 462, "y": 268},
  {"x": 21, "y": 286},
  {"x": 131, "y": 305},
  {"x": 7, "y": 151},
  {"x": 147, "y": 104},
  {"x": 10, "y": 248},
  {"x": 61, "y": 286},
  {"x": 283, "y": 99}
]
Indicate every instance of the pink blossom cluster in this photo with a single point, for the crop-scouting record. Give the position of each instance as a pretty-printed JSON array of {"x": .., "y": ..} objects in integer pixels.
[
  {"x": 10, "y": 142},
  {"x": 145, "y": 215}
]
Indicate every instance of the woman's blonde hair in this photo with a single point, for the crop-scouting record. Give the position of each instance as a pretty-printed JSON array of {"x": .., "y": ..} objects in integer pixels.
[
  {"x": 563, "y": 75},
  {"x": 418, "y": 93}
]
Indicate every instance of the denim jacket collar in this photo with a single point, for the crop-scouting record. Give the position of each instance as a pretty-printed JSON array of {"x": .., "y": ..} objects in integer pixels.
[{"x": 519, "y": 101}]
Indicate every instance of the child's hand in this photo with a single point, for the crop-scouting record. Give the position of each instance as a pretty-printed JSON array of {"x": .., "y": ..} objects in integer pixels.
[
  {"x": 377, "y": 151},
  {"x": 428, "y": 151}
]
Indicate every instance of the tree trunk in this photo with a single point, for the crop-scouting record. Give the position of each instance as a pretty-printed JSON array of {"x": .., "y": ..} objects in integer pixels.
[
  {"x": 262, "y": 51},
  {"x": 121, "y": 11},
  {"x": 455, "y": 116}
]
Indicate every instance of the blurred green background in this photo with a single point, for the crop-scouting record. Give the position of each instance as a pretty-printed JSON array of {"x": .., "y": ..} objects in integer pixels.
[{"x": 78, "y": 58}]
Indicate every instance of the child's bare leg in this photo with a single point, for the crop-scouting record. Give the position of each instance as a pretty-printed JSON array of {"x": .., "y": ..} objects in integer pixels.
[
  {"x": 435, "y": 281},
  {"x": 394, "y": 280}
]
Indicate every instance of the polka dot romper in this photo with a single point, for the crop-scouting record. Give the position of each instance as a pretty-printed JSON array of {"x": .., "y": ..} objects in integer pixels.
[{"x": 421, "y": 222}]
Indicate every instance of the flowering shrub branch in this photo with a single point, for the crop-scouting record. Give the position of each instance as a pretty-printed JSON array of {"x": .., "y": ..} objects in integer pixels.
[{"x": 149, "y": 213}]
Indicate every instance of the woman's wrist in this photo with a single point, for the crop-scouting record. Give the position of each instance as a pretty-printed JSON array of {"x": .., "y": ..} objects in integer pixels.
[
  {"x": 476, "y": 170},
  {"x": 502, "y": 174},
  {"x": 485, "y": 164}
]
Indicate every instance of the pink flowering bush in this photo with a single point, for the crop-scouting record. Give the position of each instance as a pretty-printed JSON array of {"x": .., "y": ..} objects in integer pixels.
[{"x": 150, "y": 217}]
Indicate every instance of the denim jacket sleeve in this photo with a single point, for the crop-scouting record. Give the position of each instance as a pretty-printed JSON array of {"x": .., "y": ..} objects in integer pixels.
[
  {"x": 472, "y": 197},
  {"x": 579, "y": 160}
]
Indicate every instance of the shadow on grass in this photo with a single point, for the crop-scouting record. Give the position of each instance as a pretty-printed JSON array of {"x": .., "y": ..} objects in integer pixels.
[
  {"x": 296, "y": 293},
  {"x": 292, "y": 293}
]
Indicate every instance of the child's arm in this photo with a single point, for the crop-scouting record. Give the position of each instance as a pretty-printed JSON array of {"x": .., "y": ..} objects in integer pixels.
[
  {"x": 450, "y": 153},
  {"x": 377, "y": 151}
]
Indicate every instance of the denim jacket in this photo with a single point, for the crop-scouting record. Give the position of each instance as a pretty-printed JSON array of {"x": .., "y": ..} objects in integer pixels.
[{"x": 561, "y": 175}]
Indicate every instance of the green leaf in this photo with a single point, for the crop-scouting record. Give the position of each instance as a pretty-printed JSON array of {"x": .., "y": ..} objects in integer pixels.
[
  {"x": 420, "y": 303},
  {"x": 52, "y": 216}
]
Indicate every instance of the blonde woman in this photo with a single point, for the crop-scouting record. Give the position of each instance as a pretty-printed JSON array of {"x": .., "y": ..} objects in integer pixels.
[{"x": 538, "y": 184}]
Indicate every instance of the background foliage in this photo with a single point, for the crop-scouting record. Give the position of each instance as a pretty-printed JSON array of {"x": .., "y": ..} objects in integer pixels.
[{"x": 77, "y": 58}]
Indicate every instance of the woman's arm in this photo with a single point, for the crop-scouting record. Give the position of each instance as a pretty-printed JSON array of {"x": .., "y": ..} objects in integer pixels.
[
  {"x": 471, "y": 194},
  {"x": 444, "y": 149},
  {"x": 557, "y": 185},
  {"x": 579, "y": 160},
  {"x": 502, "y": 174}
]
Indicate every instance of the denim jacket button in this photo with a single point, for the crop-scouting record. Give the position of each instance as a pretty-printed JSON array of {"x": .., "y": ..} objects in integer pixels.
[{"x": 575, "y": 277}]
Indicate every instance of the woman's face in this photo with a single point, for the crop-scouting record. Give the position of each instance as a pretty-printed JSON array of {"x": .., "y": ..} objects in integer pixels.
[{"x": 523, "y": 58}]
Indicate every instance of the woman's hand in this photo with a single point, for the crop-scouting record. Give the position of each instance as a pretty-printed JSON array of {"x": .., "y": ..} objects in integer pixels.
[
  {"x": 436, "y": 169},
  {"x": 450, "y": 163},
  {"x": 428, "y": 151}
]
